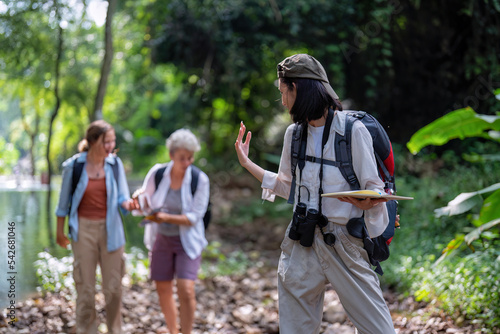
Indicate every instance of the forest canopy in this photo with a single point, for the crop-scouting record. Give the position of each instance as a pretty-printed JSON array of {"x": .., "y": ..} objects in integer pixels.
[{"x": 206, "y": 66}]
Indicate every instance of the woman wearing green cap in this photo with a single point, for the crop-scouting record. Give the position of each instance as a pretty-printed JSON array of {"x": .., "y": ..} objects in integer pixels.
[{"x": 328, "y": 254}]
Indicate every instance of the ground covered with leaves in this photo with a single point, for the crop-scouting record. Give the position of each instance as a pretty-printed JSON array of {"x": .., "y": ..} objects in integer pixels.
[
  {"x": 245, "y": 304},
  {"x": 242, "y": 302}
]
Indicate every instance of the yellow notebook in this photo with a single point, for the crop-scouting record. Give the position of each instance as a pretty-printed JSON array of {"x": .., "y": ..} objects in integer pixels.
[{"x": 365, "y": 194}]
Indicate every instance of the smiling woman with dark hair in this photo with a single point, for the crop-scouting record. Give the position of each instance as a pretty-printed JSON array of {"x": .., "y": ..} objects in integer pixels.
[{"x": 92, "y": 200}]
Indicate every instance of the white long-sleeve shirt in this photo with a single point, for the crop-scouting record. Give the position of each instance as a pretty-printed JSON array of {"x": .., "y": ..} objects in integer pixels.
[
  {"x": 194, "y": 207},
  {"x": 364, "y": 164}
]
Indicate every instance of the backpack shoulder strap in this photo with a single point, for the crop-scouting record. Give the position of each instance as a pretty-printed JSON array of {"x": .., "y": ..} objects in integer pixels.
[
  {"x": 114, "y": 167},
  {"x": 343, "y": 153},
  {"x": 77, "y": 174},
  {"x": 159, "y": 175},
  {"x": 78, "y": 169},
  {"x": 195, "y": 173},
  {"x": 295, "y": 146},
  {"x": 298, "y": 152}
]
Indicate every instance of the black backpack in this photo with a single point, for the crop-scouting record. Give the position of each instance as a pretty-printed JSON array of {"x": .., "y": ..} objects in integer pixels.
[
  {"x": 377, "y": 248},
  {"x": 195, "y": 173}
]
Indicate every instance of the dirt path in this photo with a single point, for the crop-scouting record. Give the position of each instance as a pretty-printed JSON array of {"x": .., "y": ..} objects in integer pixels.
[
  {"x": 234, "y": 304},
  {"x": 230, "y": 305}
]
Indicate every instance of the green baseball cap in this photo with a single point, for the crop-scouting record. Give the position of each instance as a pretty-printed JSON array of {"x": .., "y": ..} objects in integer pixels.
[{"x": 306, "y": 67}]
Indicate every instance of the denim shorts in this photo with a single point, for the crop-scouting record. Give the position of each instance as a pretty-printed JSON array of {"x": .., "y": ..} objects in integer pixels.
[{"x": 169, "y": 260}]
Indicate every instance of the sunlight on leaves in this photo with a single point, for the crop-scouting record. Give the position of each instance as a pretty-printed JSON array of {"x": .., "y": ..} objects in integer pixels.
[
  {"x": 491, "y": 208},
  {"x": 452, "y": 246},
  {"x": 476, "y": 233},
  {"x": 465, "y": 201},
  {"x": 461, "y": 123},
  {"x": 474, "y": 157}
]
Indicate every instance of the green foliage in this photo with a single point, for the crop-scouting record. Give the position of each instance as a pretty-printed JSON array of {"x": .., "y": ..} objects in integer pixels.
[
  {"x": 137, "y": 265},
  {"x": 451, "y": 283},
  {"x": 29, "y": 36},
  {"x": 490, "y": 209},
  {"x": 8, "y": 156},
  {"x": 230, "y": 56},
  {"x": 466, "y": 201},
  {"x": 249, "y": 211},
  {"x": 217, "y": 263},
  {"x": 461, "y": 286},
  {"x": 461, "y": 123},
  {"x": 207, "y": 66},
  {"x": 54, "y": 274},
  {"x": 482, "y": 232},
  {"x": 470, "y": 289}
]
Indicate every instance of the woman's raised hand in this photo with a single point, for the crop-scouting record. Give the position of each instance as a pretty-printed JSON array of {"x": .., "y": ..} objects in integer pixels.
[{"x": 241, "y": 147}]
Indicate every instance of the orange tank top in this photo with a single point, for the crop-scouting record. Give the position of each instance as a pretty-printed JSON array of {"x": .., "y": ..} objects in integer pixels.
[{"x": 93, "y": 204}]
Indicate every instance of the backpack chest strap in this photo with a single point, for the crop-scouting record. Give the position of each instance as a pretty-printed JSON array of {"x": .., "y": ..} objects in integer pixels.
[
  {"x": 325, "y": 161},
  {"x": 299, "y": 157}
]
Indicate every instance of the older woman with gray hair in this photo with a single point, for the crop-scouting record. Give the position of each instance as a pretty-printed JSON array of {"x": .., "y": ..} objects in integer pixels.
[{"x": 178, "y": 237}]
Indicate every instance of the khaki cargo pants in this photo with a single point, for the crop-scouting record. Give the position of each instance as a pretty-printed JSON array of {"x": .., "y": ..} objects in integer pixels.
[
  {"x": 90, "y": 250},
  {"x": 303, "y": 273}
]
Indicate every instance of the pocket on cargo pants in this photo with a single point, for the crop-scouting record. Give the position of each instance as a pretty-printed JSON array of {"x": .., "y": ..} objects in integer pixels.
[
  {"x": 293, "y": 265},
  {"x": 85, "y": 301}
]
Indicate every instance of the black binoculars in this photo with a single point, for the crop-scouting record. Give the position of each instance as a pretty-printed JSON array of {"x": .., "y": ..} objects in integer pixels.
[{"x": 304, "y": 223}]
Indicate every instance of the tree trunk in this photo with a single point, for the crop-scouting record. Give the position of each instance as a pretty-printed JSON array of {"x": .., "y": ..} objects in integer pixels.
[
  {"x": 51, "y": 124},
  {"x": 106, "y": 62},
  {"x": 32, "y": 154},
  {"x": 32, "y": 133}
]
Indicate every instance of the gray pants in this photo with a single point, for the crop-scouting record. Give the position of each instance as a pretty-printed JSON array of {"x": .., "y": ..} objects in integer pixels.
[{"x": 303, "y": 273}]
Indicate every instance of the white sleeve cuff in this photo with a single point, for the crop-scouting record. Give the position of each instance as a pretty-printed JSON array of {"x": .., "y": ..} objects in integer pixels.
[
  {"x": 268, "y": 183},
  {"x": 376, "y": 220},
  {"x": 192, "y": 217}
]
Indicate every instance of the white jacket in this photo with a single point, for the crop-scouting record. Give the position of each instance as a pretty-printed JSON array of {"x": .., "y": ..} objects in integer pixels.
[
  {"x": 365, "y": 167},
  {"x": 194, "y": 207}
]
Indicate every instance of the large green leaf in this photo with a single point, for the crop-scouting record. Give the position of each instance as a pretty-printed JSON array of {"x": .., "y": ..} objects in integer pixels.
[
  {"x": 459, "y": 239},
  {"x": 466, "y": 201},
  {"x": 461, "y": 123},
  {"x": 476, "y": 233},
  {"x": 491, "y": 208}
]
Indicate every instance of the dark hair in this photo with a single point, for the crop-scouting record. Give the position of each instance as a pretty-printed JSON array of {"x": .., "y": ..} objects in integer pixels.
[
  {"x": 95, "y": 130},
  {"x": 311, "y": 101}
]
